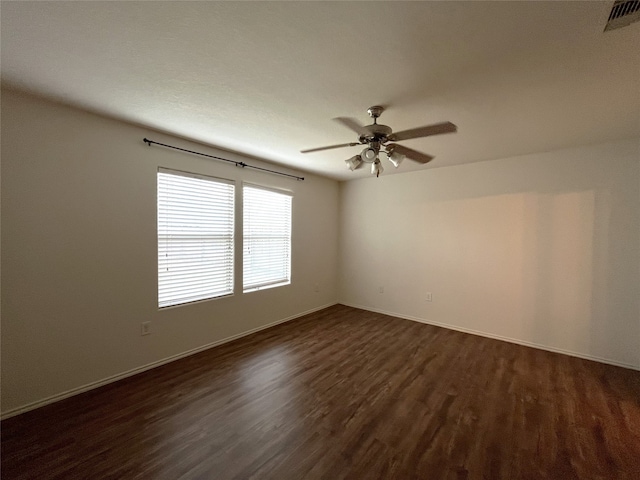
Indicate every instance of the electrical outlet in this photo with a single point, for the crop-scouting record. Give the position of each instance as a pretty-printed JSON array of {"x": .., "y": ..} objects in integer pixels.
[
  {"x": 380, "y": 289},
  {"x": 429, "y": 297},
  {"x": 145, "y": 328}
]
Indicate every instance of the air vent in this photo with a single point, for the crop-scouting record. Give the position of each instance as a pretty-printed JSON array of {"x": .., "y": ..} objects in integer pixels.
[{"x": 623, "y": 13}]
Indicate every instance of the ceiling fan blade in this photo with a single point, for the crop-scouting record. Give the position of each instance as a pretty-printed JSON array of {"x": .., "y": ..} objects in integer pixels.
[
  {"x": 309, "y": 150},
  {"x": 436, "y": 129},
  {"x": 410, "y": 153},
  {"x": 353, "y": 124}
]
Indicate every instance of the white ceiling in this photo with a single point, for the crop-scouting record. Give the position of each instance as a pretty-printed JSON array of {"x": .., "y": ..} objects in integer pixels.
[{"x": 266, "y": 78}]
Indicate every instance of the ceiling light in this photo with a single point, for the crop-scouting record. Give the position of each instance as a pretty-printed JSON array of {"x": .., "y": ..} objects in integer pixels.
[
  {"x": 354, "y": 162},
  {"x": 369, "y": 155},
  {"x": 376, "y": 168},
  {"x": 395, "y": 158}
]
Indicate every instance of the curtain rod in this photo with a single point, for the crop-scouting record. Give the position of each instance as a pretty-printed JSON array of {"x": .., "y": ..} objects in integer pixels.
[{"x": 237, "y": 164}]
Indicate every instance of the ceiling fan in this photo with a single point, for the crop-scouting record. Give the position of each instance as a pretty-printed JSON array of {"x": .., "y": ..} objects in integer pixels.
[{"x": 377, "y": 137}]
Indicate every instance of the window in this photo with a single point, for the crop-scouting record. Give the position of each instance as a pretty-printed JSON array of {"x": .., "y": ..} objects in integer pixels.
[
  {"x": 195, "y": 237},
  {"x": 267, "y": 238}
]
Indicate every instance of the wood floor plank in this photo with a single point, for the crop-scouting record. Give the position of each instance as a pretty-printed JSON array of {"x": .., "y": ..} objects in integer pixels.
[{"x": 343, "y": 394}]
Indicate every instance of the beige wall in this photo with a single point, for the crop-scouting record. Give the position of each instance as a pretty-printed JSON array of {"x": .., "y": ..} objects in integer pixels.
[
  {"x": 542, "y": 249},
  {"x": 79, "y": 252}
]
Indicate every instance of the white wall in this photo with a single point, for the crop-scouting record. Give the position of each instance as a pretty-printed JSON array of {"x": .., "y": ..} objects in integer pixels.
[
  {"x": 541, "y": 249},
  {"x": 79, "y": 252}
]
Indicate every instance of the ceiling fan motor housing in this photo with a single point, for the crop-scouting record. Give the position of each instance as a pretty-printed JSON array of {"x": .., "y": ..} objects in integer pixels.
[{"x": 377, "y": 133}]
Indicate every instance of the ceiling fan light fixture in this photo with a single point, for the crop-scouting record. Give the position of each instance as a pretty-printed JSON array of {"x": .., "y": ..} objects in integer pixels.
[
  {"x": 369, "y": 155},
  {"x": 354, "y": 162},
  {"x": 395, "y": 158},
  {"x": 376, "y": 168}
]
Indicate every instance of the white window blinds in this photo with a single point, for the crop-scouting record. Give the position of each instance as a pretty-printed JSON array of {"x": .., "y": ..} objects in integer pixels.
[
  {"x": 195, "y": 237},
  {"x": 267, "y": 238}
]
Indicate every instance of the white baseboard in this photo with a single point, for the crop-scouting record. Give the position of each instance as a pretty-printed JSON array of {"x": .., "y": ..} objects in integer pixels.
[
  {"x": 114, "y": 378},
  {"x": 498, "y": 337}
]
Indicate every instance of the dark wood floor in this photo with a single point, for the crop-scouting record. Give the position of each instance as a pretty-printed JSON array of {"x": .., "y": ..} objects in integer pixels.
[{"x": 343, "y": 393}]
